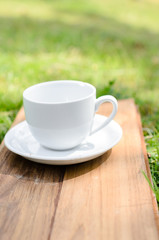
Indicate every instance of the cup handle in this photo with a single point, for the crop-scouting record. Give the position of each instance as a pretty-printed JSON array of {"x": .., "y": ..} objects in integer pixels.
[{"x": 99, "y": 101}]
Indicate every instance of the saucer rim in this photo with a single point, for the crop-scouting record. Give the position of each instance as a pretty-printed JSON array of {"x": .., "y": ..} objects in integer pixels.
[{"x": 52, "y": 158}]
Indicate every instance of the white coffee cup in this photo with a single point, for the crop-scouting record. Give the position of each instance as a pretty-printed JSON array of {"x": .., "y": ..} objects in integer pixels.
[{"x": 60, "y": 113}]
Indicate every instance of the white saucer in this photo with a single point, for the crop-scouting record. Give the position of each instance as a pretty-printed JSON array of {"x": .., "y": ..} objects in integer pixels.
[{"x": 20, "y": 141}]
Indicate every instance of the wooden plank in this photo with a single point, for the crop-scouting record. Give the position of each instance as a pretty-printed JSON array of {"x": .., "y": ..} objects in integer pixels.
[
  {"x": 107, "y": 198},
  {"x": 29, "y": 194}
]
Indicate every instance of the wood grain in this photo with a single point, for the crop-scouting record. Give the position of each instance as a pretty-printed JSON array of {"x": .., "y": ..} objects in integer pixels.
[
  {"x": 107, "y": 198},
  {"x": 29, "y": 194}
]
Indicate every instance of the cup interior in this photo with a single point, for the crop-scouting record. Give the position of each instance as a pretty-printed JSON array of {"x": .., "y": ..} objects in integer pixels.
[{"x": 61, "y": 91}]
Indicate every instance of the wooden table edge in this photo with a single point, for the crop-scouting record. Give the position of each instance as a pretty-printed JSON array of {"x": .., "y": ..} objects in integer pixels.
[
  {"x": 154, "y": 201},
  {"x": 20, "y": 115}
]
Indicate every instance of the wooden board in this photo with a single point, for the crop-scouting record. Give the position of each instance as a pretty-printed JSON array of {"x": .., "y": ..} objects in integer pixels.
[{"x": 106, "y": 198}]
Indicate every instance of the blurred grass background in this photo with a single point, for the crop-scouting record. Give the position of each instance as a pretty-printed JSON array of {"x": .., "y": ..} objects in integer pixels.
[{"x": 112, "y": 44}]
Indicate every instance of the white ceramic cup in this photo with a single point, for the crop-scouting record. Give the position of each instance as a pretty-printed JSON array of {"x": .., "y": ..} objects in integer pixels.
[{"x": 60, "y": 113}]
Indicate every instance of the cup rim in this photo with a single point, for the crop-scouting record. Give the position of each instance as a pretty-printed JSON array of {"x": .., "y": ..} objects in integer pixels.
[{"x": 58, "y": 81}]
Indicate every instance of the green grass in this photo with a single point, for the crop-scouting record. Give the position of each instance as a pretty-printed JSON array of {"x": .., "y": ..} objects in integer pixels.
[{"x": 112, "y": 44}]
